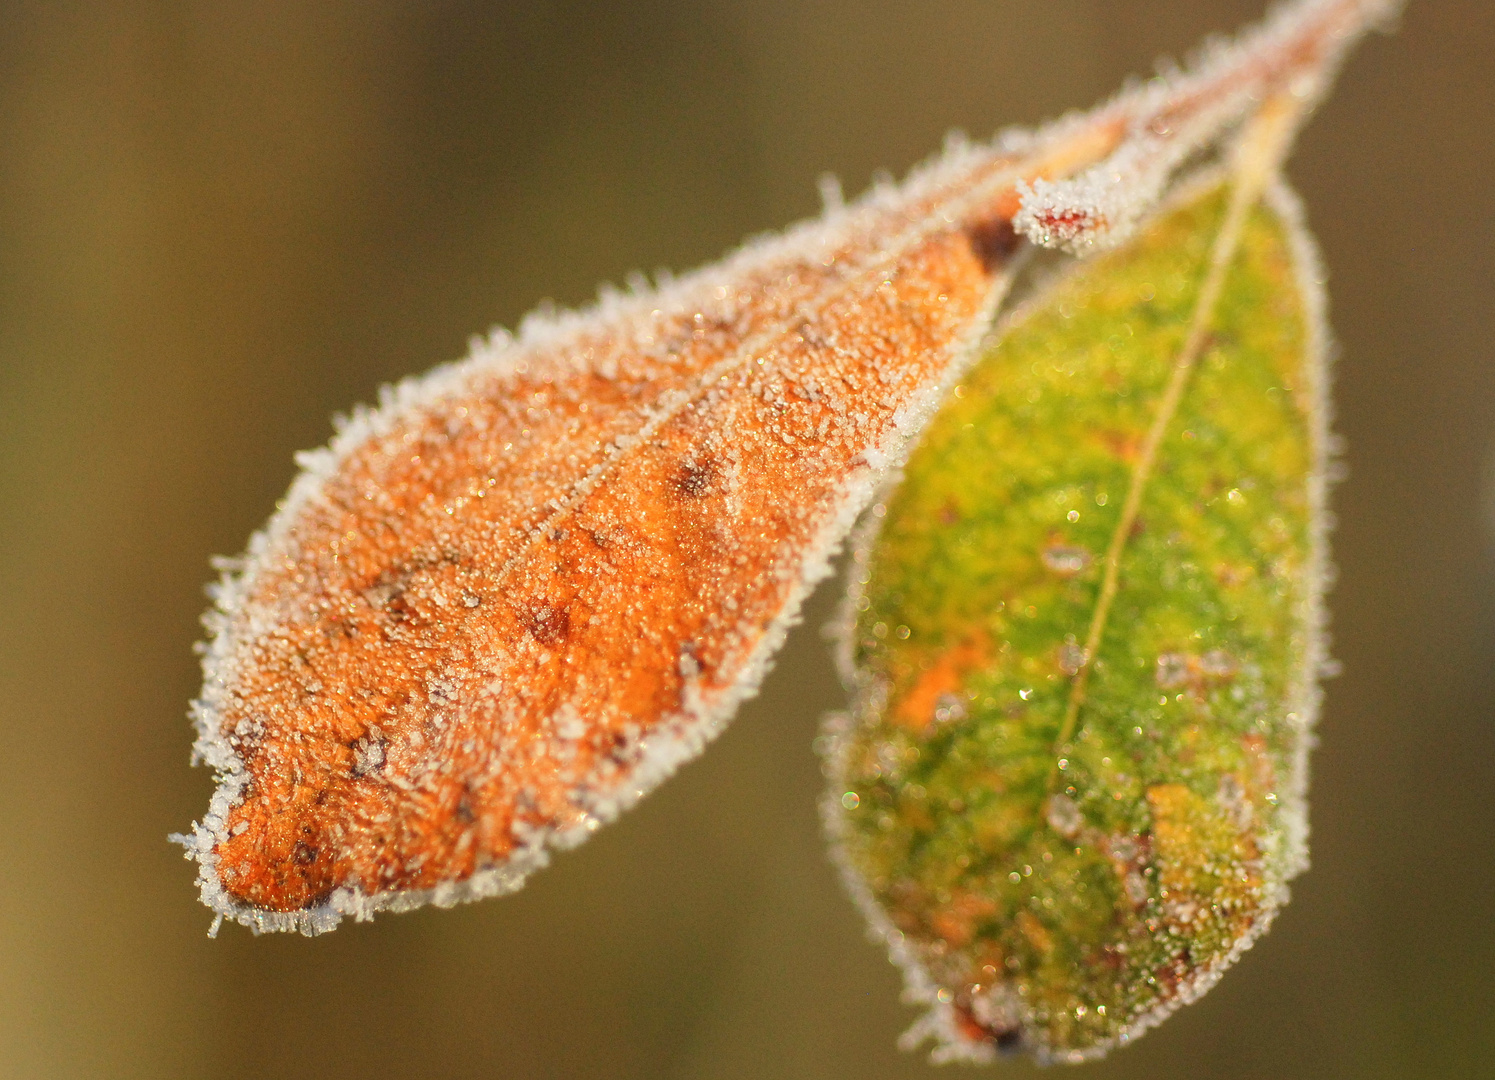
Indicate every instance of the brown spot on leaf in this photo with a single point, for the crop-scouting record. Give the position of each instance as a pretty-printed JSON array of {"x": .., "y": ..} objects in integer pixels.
[
  {"x": 993, "y": 241},
  {"x": 1008, "y": 1040},
  {"x": 549, "y": 624},
  {"x": 464, "y": 811},
  {"x": 695, "y": 478}
]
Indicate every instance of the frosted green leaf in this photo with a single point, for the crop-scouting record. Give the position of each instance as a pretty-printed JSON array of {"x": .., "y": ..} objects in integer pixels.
[{"x": 1058, "y": 847}]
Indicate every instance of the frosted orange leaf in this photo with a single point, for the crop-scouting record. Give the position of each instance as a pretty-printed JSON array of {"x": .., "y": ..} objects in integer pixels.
[{"x": 508, "y": 601}]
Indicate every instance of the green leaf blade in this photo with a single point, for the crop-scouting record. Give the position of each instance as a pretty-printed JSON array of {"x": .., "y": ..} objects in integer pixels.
[{"x": 1066, "y": 897}]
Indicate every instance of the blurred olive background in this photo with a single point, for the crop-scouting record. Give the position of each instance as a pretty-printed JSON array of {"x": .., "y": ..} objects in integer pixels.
[{"x": 222, "y": 222}]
